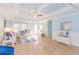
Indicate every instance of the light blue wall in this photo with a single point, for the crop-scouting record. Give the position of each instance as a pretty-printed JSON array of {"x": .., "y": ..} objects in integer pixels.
[
  {"x": 50, "y": 28},
  {"x": 1, "y": 24},
  {"x": 75, "y": 27},
  {"x": 74, "y": 19}
]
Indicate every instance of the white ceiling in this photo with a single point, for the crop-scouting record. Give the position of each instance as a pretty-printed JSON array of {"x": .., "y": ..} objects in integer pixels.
[{"x": 23, "y": 11}]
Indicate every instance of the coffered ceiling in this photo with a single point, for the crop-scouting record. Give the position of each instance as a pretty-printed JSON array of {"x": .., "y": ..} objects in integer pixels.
[{"x": 43, "y": 11}]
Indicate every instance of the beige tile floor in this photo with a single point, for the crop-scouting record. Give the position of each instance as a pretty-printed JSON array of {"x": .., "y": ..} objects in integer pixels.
[{"x": 45, "y": 46}]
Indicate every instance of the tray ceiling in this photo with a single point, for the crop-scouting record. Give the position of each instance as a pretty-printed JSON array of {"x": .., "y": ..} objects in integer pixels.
[{"x": 24, "y": 11}]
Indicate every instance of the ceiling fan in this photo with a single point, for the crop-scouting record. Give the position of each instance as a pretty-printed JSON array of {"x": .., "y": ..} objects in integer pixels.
[{"x": 37, "y": 15}]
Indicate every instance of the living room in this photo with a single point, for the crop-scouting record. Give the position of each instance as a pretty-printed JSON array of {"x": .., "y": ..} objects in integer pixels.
[{"x": 39, "y": 29}]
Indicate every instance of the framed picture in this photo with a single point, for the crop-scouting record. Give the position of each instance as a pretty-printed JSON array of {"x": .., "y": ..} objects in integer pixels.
[{"x": 66, "y": 26}]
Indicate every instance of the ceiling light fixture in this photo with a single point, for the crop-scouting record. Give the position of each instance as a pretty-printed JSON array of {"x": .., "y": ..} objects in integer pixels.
[{"x": 37, "y": 15}]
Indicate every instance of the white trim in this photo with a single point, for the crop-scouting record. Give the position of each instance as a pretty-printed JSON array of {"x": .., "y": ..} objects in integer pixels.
[
  {"x": 67, "y": 15},
  {"x": 27, "y": 21},
  {"x": 51, "y": 18},
  {"x": 65, "y": 8}
]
